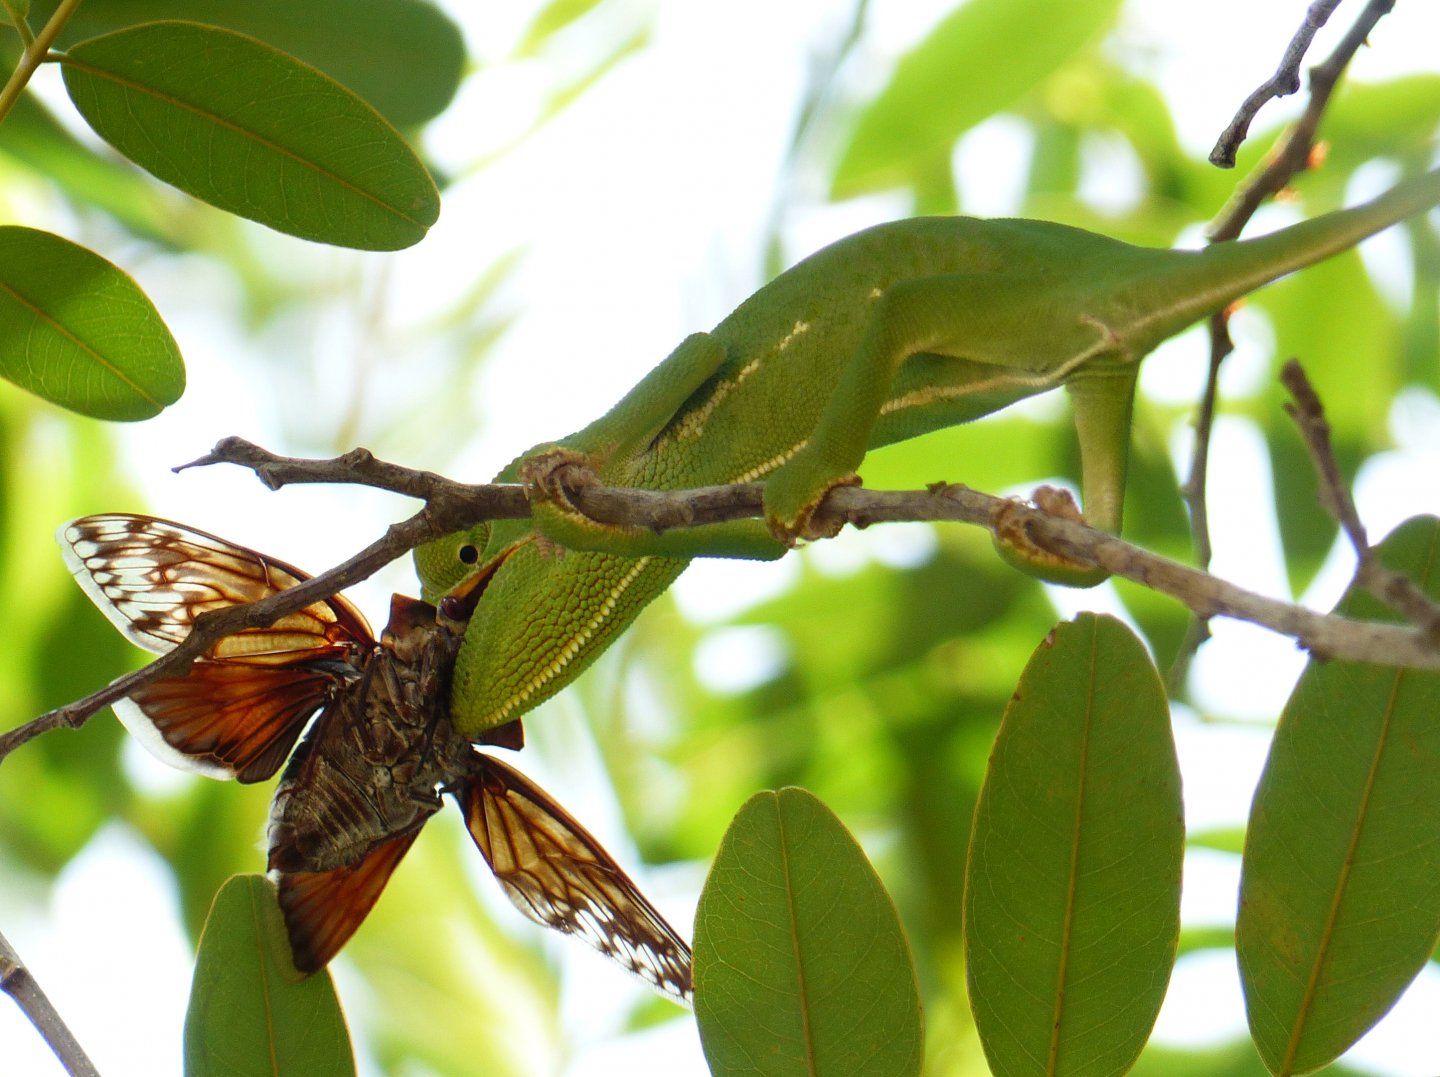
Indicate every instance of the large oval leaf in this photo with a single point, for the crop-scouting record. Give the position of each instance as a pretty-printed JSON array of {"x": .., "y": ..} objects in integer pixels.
[
  {"x": 952, "y": 81},
  {"x": 77, "y": 331},
  {"x": 1072, "y": 896},
  {"x": 253, "y": 131},
  {"x": 405, "y": 57},
  {"x": 250, "y": 1011},
  {"x": 1340, "y": 889},
  {"x": 801, "y": 966}
]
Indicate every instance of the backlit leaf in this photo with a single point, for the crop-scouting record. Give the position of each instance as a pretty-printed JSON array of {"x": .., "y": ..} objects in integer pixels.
[
  {"x": 952, "y": 80},
  {"x": 250, "y": 1010},
  {"x": 801, "y": 966},
  {"x": 405, "y": 57},
  {"x": 1072, "y": 897},
  {"x": 1340, "y": 891},
  {"x": 78, "y": 332},
  {"x": 253, "y": 131},
  {"x": 553, "y": 17}
]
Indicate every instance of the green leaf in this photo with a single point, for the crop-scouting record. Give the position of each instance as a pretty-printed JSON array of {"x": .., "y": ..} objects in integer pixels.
[
  {"x": 77, "y": 331},
  {"x": 801, "y": 966},
  {"x": 1340, "y": 890},
  {"x": 405, "y": 57},
  {"x": 1072, "y": 897},
  {"x": 250, "y": 1010},
  {"x": 951, "y": 81},
  {"x": 253, "y": 131}
]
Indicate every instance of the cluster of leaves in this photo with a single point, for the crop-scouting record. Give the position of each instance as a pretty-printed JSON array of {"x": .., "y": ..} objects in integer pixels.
[
  {"x": 224, "y": 116},
  {"x": 1045, "y": 848}
]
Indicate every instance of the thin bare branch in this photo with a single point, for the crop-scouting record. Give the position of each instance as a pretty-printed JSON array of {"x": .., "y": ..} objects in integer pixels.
[
  {"x": 1283, "y": 83},
  {"x": 1193, "y": 491},
  {"x": 37, "y": 50},
  {"x": 1396, "y": 590},
  {"x": 1294, "y": 152},
  {"x": 17, "y": 982},
  {"x": 660, "y": 510},
  {"x": 16, "y": 17},
  {"x": 1323, "y": 635},
  {"x": 1309, "y": 417}
]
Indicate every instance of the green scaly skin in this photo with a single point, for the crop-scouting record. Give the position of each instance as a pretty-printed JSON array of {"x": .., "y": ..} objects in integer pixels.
[{"x": 885, "y": 335}]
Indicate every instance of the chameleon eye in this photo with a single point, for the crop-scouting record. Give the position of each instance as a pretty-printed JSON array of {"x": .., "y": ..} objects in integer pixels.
[{"x": 469, "y": 554}]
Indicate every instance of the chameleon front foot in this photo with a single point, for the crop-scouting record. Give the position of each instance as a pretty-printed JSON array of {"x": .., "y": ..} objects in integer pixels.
[
  {"x": 1014, "y": 544},
  {"x": 550, "y": 475}
]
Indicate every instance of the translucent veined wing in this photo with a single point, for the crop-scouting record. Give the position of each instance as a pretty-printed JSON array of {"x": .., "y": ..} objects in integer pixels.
[
  {"x": 557, "y": 874},
  {"x": 226, "y": 720},
  {"x": 153, "y": 578},
  {"x": 322, "y": 909},
  {"x": 240, "y": 709}
]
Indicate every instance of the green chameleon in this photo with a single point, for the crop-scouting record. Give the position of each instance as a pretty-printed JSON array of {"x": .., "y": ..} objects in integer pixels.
[{"x": 885, "y": 335}]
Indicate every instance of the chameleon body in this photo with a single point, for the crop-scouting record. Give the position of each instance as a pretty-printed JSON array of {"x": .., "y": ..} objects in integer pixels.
[{"x": 885, "y": 335}]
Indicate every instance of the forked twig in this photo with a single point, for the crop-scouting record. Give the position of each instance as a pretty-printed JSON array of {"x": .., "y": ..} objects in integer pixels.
[
  {"x": 1294, "y": 151},
  {"x": 1292, "y": 155},
  {"x": 1284, "y": 82}
]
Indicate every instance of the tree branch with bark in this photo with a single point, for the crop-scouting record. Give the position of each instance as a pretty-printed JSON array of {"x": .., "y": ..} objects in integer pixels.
[{"x": 453, "y": 506}]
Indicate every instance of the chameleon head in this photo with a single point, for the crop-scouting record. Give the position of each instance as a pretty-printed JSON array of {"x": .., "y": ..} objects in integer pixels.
[{"x": 537, "y": 615}]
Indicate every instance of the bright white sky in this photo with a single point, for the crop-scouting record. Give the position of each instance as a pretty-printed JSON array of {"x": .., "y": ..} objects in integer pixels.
[{"x": 637, "y": 234}]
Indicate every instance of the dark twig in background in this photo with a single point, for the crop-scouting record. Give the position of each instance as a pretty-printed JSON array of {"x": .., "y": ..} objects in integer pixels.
[
  {"x": 1283, "y": 83},
  {"x": 19, "y": 984},
  {"x": 1291, "y": 156},
  {"x": 1396, "y": 590}
]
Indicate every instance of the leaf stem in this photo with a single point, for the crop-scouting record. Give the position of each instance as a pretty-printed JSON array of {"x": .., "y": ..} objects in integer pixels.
[
  {"x": 34, "y": 55},
  {"x": 18, "y": 21}
]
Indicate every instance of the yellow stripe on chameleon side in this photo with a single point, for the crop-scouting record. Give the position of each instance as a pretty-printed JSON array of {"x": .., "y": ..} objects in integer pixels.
[{"x": 761, "y": 470}]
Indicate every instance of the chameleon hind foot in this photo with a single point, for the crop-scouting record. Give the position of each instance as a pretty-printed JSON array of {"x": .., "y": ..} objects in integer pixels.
[
  {"x": 1015, "y": 545},
  {"x": 792, "y": 524}
]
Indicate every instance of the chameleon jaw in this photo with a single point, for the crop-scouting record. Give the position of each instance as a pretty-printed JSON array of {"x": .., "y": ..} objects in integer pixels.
[
  {"x": 573, "y": 648},
  {"x": 458, "y": 604}
]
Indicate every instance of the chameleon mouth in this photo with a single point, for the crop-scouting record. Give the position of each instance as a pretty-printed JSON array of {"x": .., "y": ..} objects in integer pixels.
[{"x": 458, "y": 605}]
